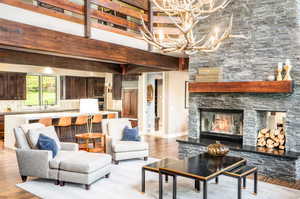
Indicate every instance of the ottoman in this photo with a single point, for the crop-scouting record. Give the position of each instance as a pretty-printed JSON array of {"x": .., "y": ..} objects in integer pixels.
[{"x": 84, "y": 169}]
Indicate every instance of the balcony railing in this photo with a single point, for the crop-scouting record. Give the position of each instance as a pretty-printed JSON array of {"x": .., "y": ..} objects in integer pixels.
[{"x": 122, "y": 17}]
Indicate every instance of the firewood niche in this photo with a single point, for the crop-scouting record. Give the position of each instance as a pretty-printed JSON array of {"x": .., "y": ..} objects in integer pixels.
[{"x": 273, "y": 136}]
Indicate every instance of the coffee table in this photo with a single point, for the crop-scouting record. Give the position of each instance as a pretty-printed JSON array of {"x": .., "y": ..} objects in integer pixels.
[
  {"x": 154, "y": 167},
  {"x": 200, "y": 168}
]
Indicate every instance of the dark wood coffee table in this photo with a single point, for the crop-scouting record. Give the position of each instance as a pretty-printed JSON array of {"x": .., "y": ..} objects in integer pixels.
[
  {"x": 154, "y": 167},
  {"x": 200, "y": 168}
]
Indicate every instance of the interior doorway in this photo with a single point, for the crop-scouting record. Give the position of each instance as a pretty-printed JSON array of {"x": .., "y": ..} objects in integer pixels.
[{"x": 158, "y": 104}]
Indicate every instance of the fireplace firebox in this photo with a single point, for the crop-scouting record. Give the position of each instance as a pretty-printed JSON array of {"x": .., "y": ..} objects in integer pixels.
[{"x": 222, "y": 124}]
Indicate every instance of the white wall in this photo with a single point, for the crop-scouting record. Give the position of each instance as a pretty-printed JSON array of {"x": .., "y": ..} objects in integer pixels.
[
  {"x": 175, "y": 113},
  {"x": 36, "y": 19}
]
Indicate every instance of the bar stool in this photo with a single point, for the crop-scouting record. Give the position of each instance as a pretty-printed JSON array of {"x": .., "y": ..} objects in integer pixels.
[
  {"x": 111, "y": 116},
  {"x": 47, "y": 121},
  {"x": 96, "y": 121},
  {"x": 80, "y": 124},
  {"x": 64, "y": 129}
]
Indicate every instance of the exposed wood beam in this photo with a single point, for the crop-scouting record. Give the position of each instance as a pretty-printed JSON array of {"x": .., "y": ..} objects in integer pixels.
[
  {"x": 183, "y": 64},
  {"x": 27, "y": 58},
  {"x": 124, "y": 68},
  {"x": 31, "y": 37},
  {"x": 87, "y": 18}
]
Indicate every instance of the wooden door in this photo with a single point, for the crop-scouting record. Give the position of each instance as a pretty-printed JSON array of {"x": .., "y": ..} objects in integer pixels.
[{"x": 130, "y": 103}]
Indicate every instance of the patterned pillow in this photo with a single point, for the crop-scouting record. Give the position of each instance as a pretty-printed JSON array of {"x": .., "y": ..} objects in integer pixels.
[{"x": 47, "y": 143}]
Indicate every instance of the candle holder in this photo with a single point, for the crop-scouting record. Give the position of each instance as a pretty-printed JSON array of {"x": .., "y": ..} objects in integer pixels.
[
  {"x": 279, "y": 71},
  {"x": 287, "y": 68}
]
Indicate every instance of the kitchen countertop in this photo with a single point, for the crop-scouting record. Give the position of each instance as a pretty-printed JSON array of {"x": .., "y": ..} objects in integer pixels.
[
  {"x": 37, "y": 116},
  {"x": 38, "y": 111}
]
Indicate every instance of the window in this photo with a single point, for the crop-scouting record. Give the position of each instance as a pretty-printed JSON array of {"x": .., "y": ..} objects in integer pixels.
[{"x": 41, "y": 90}]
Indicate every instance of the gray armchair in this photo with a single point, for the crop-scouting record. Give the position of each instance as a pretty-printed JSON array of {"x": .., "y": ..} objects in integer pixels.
[
  {"x": 34, "y": 162},
  {"x": 69, "y": 165}
]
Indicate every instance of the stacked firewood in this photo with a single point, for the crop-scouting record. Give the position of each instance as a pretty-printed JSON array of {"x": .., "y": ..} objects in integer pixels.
[{"x": 271, "y": 138}]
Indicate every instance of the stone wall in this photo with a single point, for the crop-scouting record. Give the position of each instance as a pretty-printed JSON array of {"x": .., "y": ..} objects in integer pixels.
[
  {"x": 272, "y": 27},
  {"x": 275, "y": 167}
]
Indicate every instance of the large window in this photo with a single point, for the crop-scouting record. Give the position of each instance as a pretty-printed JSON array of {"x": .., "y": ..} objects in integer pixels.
[{"x": 41, "y": 90}]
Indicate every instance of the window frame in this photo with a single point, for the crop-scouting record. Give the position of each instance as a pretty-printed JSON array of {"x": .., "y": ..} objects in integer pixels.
[{"x": 40, "y": 90}]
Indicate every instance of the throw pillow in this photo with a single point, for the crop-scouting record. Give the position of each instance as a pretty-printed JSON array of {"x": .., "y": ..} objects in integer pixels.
[
  {"x": 47, "y": 143},
  {"x": 131, "y": 134},
  {"x": 33, "y": 136}
]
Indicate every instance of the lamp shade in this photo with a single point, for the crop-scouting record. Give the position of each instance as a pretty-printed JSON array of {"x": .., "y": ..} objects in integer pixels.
[{"x": 89, "y": 106}]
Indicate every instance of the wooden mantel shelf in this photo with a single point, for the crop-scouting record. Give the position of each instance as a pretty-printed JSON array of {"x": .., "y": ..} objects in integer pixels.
[{"x": 242, "y": 87}]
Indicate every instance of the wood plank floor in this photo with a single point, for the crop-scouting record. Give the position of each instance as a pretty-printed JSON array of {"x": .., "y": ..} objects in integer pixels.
[{"x": 159, "y": 148}]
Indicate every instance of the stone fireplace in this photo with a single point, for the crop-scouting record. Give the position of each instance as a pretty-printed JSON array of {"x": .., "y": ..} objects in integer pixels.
[
  {"x": 222, "y": 124},
  {"x": 268, "y": 24}
]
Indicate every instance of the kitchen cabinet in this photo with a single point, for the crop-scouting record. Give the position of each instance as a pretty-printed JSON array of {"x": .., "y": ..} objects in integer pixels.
[
  {"x": 12, "y": 86},
  {"x": 82, "y": 87},
  {"x": 1, "y": 126},
  {"x": 117, "y": 87},
  {"x": 96, "y": 87}
]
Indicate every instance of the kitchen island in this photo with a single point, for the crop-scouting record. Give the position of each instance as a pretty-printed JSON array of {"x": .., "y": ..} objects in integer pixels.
[{"x": 14, "y": 121}]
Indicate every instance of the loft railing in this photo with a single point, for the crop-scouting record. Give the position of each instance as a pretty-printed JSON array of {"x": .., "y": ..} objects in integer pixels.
[{"x": 118, "y": 16}]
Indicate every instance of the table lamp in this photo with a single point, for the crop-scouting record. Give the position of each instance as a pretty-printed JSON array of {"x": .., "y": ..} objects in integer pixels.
[{"x": 90, "y": 107}]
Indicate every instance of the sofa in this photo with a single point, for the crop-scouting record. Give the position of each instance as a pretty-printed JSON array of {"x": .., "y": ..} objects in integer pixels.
[
  {"x": 69, "y": 165},
  {"x": 122, "y": 150}
]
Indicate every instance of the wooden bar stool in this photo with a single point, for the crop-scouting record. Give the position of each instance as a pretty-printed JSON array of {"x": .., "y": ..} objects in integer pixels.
[
  {"x": 64, "y": 129},
  {"x": 96, "y": 121},
  {"x": 47, "y": 121},
  {"x": 111, "y": 116},
  {"x": 80, "y": 124}
]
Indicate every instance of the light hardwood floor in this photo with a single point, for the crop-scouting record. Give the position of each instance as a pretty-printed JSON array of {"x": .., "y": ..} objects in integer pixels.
[{"x": 159, "y": 148}]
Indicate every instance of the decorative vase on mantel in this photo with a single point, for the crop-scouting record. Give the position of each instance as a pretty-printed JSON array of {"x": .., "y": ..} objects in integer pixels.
[{"x": 217, "y": 149}]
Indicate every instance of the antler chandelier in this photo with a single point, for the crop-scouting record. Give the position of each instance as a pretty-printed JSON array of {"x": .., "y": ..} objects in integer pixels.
[{"x": 185, "y": 15}]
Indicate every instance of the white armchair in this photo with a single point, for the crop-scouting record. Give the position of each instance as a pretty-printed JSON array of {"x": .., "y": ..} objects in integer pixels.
[{"x": 122, "y": 150}]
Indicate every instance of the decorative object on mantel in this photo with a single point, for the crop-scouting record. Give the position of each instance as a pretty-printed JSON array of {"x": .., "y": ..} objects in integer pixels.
[
  {"x": 287, "y": 68},
  {"x": 149, "y": 93},
  {"x": 279, "y": 71},
  {"x": 186, "y": 15},
  {"x": 217, "y": 149},
  {"x": 209, "y": 74}
]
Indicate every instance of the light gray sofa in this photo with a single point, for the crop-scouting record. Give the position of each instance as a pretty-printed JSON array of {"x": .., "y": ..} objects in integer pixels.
[
  {"x": 122, "y": 150},
  {"x": 69, "y": 165}
]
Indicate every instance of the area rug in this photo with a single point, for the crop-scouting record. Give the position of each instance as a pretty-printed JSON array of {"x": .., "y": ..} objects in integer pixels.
[{"x": 125, "y": 183}]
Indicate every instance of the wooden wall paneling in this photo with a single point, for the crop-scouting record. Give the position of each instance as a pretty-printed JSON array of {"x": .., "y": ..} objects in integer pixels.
[
  {"x": 99, "y": 87},
  {"x": 12, "y": 86},
  {"x": 143, "y": 4},
  {"x": 120, "y": 8},
  {"x": 117, "y": 87},
  {"x": 30, "y": 37}
]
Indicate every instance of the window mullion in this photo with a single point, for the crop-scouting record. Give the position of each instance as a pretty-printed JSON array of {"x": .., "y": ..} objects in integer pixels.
[{"x": 40, "y": 90}]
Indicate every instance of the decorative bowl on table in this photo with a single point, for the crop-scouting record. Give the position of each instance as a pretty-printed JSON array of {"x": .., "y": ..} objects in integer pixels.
[{"x": 217, "y": 149}]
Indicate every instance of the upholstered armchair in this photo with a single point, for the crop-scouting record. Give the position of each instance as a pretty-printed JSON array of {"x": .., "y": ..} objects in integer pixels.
[
  {"x": 34, "y": 162},
  {"x": 122, "y": 150}
]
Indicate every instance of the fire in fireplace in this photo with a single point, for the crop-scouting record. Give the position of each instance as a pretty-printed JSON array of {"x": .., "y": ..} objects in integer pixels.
[{"x": 221, "y": 123}]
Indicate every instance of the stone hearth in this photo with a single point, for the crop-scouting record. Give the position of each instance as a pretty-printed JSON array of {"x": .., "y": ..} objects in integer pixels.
[{"x": 272, "y": 28}]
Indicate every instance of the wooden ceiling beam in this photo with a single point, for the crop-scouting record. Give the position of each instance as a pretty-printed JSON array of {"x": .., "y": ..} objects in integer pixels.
[
  {"x": 31, "y": 37},
  {"x": 35, "y": 59}
]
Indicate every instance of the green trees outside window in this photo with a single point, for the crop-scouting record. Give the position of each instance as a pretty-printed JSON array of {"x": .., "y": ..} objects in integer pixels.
[{"x": 41, "y": 90}]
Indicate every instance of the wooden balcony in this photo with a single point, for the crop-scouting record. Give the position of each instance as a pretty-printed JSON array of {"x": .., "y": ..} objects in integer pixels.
[{"x": 242, "y": 87}]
